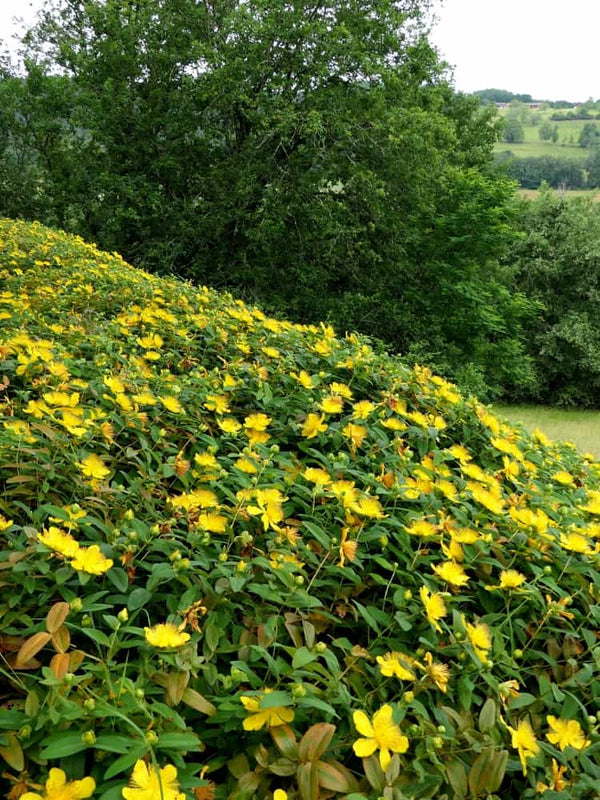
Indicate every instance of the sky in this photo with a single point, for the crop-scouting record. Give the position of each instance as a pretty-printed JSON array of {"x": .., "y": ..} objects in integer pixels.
[{"x": 546, "y": 48}]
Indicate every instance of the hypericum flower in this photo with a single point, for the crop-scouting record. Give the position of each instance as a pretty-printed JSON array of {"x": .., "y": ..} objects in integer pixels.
[
  {"x": 279, "y": 794},
  {"x": 557, "y": 782},
  {"x": 257, "y": 422},
  {"x": 566, "y": 733},
  {"x": 368, "y": 507},
  {"x": 219, "y": 403},
  {"x": 460, "y": 452},
  {"x": 481, "y": 641},
  {"x": 269, "y": 505},
  {"x": 91, "y": 560},
  {"x": 396, "y": 665},
  {"x": 511, "y": 579},
  {"x": 332, "y": 404},
  {"x": 438, "y": 672},
  {"x": 435, "y": 607},
  {"x": 229, "y": 425},
  {"x": 271, "y": 717},
  {"x": 524, "y": 741},
  {"x": 166, "y": 634},
  {"x": 303, "y": 378},
  {"x": 212, "y": 521},
  {"x": 5, "y": 524},
  {"x": 564, "y": 477},
  {"x": 93, "y": 467},
  {"x": 451, "y": 573},
  {"x": 148, "y": 783},
  {"x": 58, "y": 788},
  {"x": 420, "y": 527},
  {"x": 487, "y": 499},
  {"x": 575, "y": 542},
  {"x": 172, "y": 404},
  {"x": 356, "y": 434},
  {"x": 59, "y": 541},
  {"x": 362, "y": 409},
  {"x": 314, "y": 424},
  {"x": 317, "y": 475},
  {"x": 382, "y": 734},
  {"x": 348, "y": 548}
]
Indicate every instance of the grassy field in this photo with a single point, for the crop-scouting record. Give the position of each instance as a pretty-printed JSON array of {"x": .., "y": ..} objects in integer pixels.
[
  {"x": 580, "y": 427},
  {"x": 531, "y": 194},
  {"x": 533, "y": 146}
]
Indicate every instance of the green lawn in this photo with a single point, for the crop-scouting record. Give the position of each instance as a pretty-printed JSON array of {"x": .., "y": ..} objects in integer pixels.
[
  {"x": 580, "y": 427},
  {"x": 593, "y": 194},
  {"x": 537, "y": 148}
]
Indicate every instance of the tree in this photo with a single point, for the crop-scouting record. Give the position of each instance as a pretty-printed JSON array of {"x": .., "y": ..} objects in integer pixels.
[
  {"x": 305, "y": 154},
  {"x": 513, "y": 130},
  {"x": 545, "y": 131},
  {"x": 590, "y": 135}
]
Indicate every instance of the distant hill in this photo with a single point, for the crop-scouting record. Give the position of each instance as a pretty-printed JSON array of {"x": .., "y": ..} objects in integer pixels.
[{"x": 504, "y": 96}]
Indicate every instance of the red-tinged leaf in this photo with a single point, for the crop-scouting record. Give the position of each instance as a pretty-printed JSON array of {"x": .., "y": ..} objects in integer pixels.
[
  {"x": 75, "y": 660},
  {"x": 31, "y": 647},
  {"x": 308, "y": 781},
  {"x": 59, "y": 665},
  {"x": 195, "y": 700},
  {"x": 374, "y": 773},
  {"x": 176, "y": 686},
  {"x": 13, "y": 753},
  {"x": 315, "y": 741},
  {"x": 333, "y": 779},
  {"x": 56, "y": 616},
  {"x": 284, "y": 739},
  {"x": 61, "y": 639}
]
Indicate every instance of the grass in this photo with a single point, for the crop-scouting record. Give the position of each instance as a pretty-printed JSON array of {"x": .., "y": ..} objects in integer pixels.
[
  {"x": 534, "y": 149},
  {"x": 532, "y": 194},
  {"x": 580, "y": 427}
]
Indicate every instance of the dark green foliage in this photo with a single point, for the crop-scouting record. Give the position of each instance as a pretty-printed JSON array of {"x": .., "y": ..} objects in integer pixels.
[
  {"x": 312, "y": 157},
  {"x": 502, "y": 96},
  {"x": 558, "y": 265},
  {"x": 590, "y": 135},
  {"x": 513, "y": 130},
  {"x": 559, "y": 173}
]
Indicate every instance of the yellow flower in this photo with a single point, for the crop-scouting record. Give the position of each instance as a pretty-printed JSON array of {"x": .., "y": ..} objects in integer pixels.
[
  {"x": 166, "y": 634},
  {"x": 229, "y": 425},
  {"x": 213, "y": 522},
  {"x": 5, "y": 524},
  {"x": 219, "y": 403},
  {"x": 362, "y": 409},
  {"x": 269, "y": 717},
  {"x": 489, "y": 500},
  {"x": 93, "y": 467},
  {"x": 342, "y": 389},
  {"x": 511, "y": 579},
  {"x": 257, "y": 422},
  {"x": 439, "y": 673},
  {"x": 558, "y": 783},
  {"x": 434, "y": 605},
  {"x": 575, "y": 542},
  {"x": 172, "y": 404},
  {"x": 245, "y": 465},
  {"x": 356, "y": 434},
  {"x": 480, "y": 638},
  {"x": 59, "y": 541},
  {"x": 332, "y": 404},
  {"x": 269, "y": 507},
  {"x": 314, "y": 425},
  {"x": 57, "y": 788},
  {"x": 566, "y": 733},
  {"x": 420, "y": 527},
  {"x": 451, "y": 573},
  {"x": 91, "y": 560},
  {"x": 151, "y": 341},
  {"x": 348, "y": 548},
  {"x": 524, "y": 741},
  {"x": 303, "y": 378},
  {"x": 396, "y": 665},
  {"x": 149, "y": 783},
  {"x": 564, "y": 477},
  {"x": 279, "y": 794},
  {"x": 368, "y": 507},
  {"x": 382, "y": 734},
  {"x": 316, "y": 475}
]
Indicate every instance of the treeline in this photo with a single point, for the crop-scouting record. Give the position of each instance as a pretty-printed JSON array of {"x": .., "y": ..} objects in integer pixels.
[
  {"x": 559, "y": 173},
  {"x": 312, "y": 157}
]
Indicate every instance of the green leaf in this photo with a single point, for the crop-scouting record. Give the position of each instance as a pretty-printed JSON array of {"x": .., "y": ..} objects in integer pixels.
[
  {"x": 62, "y": 744},
  {"x": 125, "y": 761},
  {"x": 302, "y": 657},
  {"x": 138, "y": 598},
  {"x": 118, "y": 577},
  {"x": 178, "y": 741}
]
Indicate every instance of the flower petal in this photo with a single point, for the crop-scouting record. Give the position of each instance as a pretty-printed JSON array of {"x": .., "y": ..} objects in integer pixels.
[
  {"x": 363, "y": 724},
  {"x": 364, "y": 747}
]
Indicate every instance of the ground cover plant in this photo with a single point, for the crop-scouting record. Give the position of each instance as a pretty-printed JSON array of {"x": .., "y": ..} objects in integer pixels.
[{"x": 245, "y": 558}]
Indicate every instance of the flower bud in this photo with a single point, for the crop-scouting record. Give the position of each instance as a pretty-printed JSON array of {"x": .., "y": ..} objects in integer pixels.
[
  {"x": 88, "y": 737},
  {"x": 123, "y": 615},
  {"x": 76, "y": 604},
  {"x": 90, "y": 704},
  {"x": 320, "y": 647},
  {"x": 151, "y": 737}
]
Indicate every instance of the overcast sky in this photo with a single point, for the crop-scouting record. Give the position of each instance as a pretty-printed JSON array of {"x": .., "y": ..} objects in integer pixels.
[{"x": 547, "y": 48}]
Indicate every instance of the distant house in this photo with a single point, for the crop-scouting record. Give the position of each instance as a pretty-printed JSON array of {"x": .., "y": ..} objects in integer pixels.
[{"x": 533, "y": 106}]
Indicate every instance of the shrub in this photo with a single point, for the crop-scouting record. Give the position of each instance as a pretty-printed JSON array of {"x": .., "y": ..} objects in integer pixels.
[{"x": 244, "y": 558}]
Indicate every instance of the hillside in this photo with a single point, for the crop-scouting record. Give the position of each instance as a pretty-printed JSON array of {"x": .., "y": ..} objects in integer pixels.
[{"x": 246, "y": 558}]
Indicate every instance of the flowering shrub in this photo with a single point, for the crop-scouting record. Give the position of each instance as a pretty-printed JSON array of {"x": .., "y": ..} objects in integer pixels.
[{"x": 244, "y": 558}]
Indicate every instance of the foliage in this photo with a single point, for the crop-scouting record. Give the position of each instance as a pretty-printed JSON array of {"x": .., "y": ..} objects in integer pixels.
[
  {"x": 590, "y": 135},
  {"x": 273, "y": 558},
  {"x": 531, "y": 173},
  {"x": 502, "y": 96},
  {"x": 351, "y": 184},
  {"x": 513, "y": 130},
  {"x": 558, "y": 264}
]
